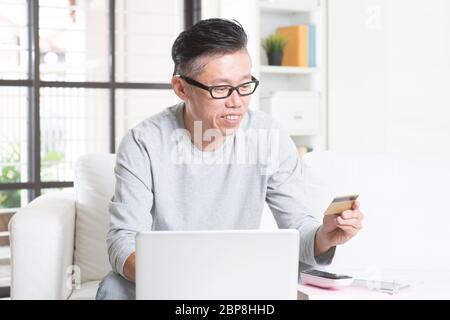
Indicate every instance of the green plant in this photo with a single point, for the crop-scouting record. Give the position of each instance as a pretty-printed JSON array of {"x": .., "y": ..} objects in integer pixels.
[
  {"x": 49, "y": 163},
  {"x": 10, "y": 173},
  {"x": 10, "y": 159},
  {"x": 274, "y": 43}
]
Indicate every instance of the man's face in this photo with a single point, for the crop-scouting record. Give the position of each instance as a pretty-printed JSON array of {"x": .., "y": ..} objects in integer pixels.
[{"x": 226, "y": 114}]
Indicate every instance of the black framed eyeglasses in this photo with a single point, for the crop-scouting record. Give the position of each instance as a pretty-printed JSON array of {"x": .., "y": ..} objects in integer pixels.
[{"x": 224, "y": 91}]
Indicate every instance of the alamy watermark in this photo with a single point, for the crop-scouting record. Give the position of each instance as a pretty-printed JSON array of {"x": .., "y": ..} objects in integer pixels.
[
  {"x": 260, "y": 147},
  {"x": 73, "y": 277}
]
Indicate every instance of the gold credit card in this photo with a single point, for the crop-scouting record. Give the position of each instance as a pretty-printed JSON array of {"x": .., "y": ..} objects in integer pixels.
[{"x": 340, "y": 204}]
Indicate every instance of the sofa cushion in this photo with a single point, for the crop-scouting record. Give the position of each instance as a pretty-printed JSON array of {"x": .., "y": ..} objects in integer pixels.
[{"x": 94, "y": 187}]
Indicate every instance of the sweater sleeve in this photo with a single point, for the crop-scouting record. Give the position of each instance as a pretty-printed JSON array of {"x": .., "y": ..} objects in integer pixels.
[{"x": 130, "y": 207}]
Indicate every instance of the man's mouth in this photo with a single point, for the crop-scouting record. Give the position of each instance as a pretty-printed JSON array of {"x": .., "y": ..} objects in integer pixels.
[{"x": 231, "y": 116}]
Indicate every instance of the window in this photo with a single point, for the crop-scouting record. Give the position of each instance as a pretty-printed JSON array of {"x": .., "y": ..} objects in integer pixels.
[{"x": 75, "y": 75}]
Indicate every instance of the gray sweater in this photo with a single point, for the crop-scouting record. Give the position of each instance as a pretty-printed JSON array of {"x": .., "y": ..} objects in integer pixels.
[{"x": 163, "y": 182}]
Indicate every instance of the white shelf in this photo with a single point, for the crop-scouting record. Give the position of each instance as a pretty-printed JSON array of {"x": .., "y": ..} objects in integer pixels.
[
  {"x": 289, "y": 7},
  {"x": 5, "y": 252},
  {"x": 286, "y": 70},
  {"x": 272, "y": 14}
]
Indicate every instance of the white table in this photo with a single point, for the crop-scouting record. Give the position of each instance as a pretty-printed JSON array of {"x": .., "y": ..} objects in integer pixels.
[{"x": 425, "y": 284}]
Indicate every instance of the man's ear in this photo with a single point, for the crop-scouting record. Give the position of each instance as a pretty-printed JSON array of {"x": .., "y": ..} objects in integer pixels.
[{"x": 179, "y": 88}]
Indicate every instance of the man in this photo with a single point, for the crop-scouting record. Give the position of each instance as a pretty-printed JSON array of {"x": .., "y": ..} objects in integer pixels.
[{"x": 177, "y": 170}]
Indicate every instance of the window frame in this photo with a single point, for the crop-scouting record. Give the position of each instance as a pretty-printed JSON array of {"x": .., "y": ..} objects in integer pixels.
[{"x": 192, "y": 14}]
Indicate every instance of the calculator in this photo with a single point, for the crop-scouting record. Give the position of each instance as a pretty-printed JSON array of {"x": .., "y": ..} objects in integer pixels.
[{"x": 325, "y": 279}]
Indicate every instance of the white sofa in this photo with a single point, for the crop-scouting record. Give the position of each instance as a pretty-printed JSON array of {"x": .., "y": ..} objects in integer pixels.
[
  {"x": 58, "y": 240},
  {"x": 58, "y": 248}
]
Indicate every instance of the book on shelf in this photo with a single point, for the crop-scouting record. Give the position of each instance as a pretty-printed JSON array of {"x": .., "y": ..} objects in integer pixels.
[{"x": 300, "y": 50}]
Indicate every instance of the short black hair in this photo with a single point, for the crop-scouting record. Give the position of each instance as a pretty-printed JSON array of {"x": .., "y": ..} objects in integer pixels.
[{"x": 207, "y": 37}]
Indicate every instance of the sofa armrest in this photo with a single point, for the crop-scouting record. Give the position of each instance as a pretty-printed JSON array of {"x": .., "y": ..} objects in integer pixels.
[{"x": 42, "y": 245}]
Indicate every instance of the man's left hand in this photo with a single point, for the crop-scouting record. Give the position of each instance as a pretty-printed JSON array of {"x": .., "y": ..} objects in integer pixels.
[{"x": 338, "y": 229}]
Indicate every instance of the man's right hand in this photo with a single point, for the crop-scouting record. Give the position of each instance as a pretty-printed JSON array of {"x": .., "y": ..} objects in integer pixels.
[{"x": 129, "y": 268}]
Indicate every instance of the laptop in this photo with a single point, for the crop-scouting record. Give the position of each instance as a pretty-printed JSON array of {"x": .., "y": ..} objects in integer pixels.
[{"x": 217, "y": 265}]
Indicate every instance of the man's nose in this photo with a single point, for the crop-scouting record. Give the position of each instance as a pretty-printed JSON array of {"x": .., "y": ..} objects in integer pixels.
[{"x": 234, "y": 101}]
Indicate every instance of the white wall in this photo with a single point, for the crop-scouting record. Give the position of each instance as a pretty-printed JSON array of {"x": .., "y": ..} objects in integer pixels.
[
  {"x": 389, "y": 75},
  {"x": 389, "y": 81}
]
